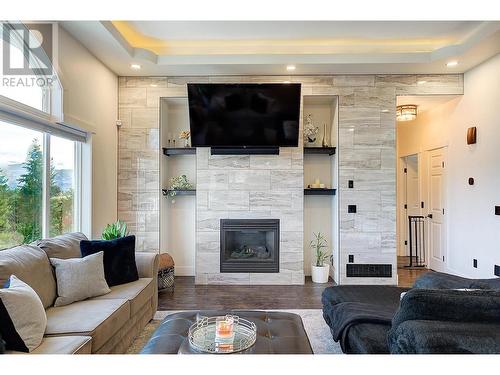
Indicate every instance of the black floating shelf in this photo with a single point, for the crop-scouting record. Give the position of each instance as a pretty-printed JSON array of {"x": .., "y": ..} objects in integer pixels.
[
  {"x": 180, "y": 192},
  {"x": 313, "y": 191},
  {"x": 169, "y": 151},
  {"x": 319, "y": 150}
]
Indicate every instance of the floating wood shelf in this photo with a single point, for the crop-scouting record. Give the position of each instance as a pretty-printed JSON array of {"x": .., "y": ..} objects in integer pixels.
[
  {"x": 319, "y": 150},
  {"x": 313, "y": 191},
  {"x": 180, "y": 192},
  {"x": 170, "y": 151}
]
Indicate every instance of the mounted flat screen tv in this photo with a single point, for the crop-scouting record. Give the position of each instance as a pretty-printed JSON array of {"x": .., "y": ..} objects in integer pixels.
[{"x": 244, "y": 115}]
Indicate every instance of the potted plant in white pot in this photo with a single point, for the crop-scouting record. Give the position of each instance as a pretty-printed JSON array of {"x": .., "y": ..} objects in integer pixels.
[{"x": 320, "y": 269}]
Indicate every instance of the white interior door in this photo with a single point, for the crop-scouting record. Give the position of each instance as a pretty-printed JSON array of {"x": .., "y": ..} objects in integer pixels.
[{"x": 436, "y": 209}]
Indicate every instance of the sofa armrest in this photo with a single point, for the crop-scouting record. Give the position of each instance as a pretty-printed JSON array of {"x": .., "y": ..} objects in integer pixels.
[
  {"x": 449, "y": 305},
  {"x": 438, "y": 337},
  {"x": 147, "y": 264}
]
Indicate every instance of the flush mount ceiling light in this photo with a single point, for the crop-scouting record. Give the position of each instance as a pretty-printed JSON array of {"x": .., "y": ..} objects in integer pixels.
[
  {"x": 451, "y": 64},
  {"x": 135, "y": 66},
  {"x": 290, "y": 68},
  {"x": 406, "y": 112}
]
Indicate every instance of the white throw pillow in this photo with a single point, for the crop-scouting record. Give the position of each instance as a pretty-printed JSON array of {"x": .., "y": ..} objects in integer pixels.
[
  {"x": 79, "y": 278},
  {"x": 22, "y": 316}
]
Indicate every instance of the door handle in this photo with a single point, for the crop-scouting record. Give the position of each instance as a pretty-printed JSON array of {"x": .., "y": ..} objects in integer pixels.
[{"x": 429, "y": 216}]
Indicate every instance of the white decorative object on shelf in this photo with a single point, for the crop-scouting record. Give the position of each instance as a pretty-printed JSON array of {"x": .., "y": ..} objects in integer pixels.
[{"x": 310, "y": 130}]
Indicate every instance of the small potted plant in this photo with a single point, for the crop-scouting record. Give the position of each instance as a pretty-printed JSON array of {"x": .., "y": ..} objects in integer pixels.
[
  {"x": 115, "y": 230},
  {"x": 320, "y": 269}
]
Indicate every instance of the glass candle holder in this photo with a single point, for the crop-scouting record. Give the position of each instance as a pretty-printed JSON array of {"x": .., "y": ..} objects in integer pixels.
[{"x": 224, "y": 330}]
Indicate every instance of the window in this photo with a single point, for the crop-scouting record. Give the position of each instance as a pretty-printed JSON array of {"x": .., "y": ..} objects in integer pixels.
[
  {"x": 25, "y": 214},
  {"x": 62, "y": 186},
  {"x": 45, "y": 165}
]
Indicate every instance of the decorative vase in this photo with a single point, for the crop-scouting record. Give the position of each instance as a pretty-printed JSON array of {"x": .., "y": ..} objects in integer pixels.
[
  {"x": 320, "y": 274},
  {"x": 324, "y": 143}
]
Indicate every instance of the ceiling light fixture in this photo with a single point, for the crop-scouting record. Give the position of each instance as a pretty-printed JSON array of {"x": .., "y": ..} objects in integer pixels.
[
  {"x": 135, "y": 66},
  {"x": 451, "y": 64},
  {"x": 407, "y": 112},
  {"x": 384, "y": 111},
  {"x": 421, "y": 82},
  {"x": 290, "y": 68}
]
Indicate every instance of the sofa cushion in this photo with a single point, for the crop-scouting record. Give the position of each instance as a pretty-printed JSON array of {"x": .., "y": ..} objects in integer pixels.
[
  {"x": 62, "y": 345},
  {"x": 31, "y": 265},
  {"x": 64, "y": 246},
  {"x": 22, "y": 316},
  {"x": 119, "y": 258},
  {"x": 79, "y": 278},
  {"x": 100, "y": 319},
  {"x": 138, "y": 293}
]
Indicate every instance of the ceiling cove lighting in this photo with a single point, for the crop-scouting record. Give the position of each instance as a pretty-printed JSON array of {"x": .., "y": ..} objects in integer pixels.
[
  {"x": 407, "y": 112},
  {"x": 290, "y": 68},
  {"x": 135, "y": 66},
  {"x": 451, "y": 64}
]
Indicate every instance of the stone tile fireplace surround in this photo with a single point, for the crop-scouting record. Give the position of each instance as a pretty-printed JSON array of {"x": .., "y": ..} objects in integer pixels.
[
  {"x": 271, "y": 186},
  {"x": 249, "y": 187}
]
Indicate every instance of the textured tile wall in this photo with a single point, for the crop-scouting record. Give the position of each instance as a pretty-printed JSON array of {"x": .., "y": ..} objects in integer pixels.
[{"x": 366, "y": 154}]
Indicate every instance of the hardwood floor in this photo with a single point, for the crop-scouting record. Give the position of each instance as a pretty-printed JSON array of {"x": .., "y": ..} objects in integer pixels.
[{"x": 188, "y": 296}]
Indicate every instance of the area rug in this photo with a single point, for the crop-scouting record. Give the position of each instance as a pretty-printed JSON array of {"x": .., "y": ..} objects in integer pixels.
[{"x": 316, "y": 329}]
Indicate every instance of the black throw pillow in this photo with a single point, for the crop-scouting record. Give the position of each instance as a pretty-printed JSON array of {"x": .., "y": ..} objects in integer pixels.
[
  {"x": 119, "y": 258},
  {"x": 2, "y": 345}
]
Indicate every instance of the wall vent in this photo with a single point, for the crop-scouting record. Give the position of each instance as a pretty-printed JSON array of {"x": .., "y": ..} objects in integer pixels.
[{"x": 369, "y": 270}]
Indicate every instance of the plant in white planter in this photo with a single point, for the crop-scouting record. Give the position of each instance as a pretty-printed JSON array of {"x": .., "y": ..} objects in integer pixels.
[{"x": 320, "y": 269}]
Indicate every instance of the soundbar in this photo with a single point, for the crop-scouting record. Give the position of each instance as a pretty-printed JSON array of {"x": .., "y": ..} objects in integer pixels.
[{"x": 245, "y": 150}]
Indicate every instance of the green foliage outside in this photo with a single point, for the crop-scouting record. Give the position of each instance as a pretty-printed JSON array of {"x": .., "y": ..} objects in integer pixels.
[{"x": 21, "y": 216}]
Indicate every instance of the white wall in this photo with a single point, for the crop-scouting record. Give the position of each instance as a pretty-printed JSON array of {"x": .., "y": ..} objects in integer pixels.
[
  {"x": 91, "y": 102},
  {"x": 473, "y": 229}
]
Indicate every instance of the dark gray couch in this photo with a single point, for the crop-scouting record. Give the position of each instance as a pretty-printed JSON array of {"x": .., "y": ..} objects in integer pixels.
[{"x": 368, "y": 319}]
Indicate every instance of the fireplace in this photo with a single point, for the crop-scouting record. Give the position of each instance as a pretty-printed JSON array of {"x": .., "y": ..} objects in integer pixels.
[{"x": 249, "y": 245}]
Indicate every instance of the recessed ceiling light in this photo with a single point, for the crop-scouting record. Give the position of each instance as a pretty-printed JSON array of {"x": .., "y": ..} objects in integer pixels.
[
  {"x": 153, "y": 85},
  {"x": 384, "y": 111},
  {"x": 421, "y": 82},
  {"x": 287, "y": 82},
  {"x": 451, "y": 64},
  {"x": 290, "y": 67},
  {"x": 135, "y": 66}
]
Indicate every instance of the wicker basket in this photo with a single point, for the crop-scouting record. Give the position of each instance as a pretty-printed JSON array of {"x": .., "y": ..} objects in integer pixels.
[
  {"x": 166, "y": 272},
  {"x": 166, "y": 279}
]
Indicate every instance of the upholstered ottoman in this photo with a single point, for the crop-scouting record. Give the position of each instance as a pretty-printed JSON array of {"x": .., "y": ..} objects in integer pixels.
[{"x": 277, "y": 333}]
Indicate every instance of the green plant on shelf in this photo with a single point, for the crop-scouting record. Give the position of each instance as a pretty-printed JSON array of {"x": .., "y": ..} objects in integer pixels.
[
  {"x": 178, "y": 183},
  {"x": 116, "y": 230},
  {"x": 319, "y": 245}
]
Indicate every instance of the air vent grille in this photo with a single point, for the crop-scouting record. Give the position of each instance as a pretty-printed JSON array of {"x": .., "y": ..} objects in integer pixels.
[{"x": 369, "y": 270}]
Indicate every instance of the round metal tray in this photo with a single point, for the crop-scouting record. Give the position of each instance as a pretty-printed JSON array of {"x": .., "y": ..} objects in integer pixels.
[{"x": 202, "y": 335}]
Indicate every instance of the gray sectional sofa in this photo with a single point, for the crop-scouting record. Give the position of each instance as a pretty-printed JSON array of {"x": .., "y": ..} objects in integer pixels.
[
  {"x": 105, "y": 324},
  {"x": 441, "y": 313}
]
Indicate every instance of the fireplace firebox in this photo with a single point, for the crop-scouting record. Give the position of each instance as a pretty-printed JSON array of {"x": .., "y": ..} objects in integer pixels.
[{"x": 249, "y": 245}]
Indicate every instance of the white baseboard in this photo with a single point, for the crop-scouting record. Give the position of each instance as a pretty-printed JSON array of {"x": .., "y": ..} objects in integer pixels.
[{"x": 184, "y": 270}]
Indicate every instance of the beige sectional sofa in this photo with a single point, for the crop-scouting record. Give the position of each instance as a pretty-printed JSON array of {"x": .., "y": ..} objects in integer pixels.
[{"x": 105, "y": 324}]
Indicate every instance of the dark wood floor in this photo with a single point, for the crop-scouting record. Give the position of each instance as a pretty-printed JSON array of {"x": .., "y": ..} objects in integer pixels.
[{"x": 188, "y": 296}]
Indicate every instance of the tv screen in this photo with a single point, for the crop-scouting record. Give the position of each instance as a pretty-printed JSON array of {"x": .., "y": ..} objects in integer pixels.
[{"x": 244, "y": 115}]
